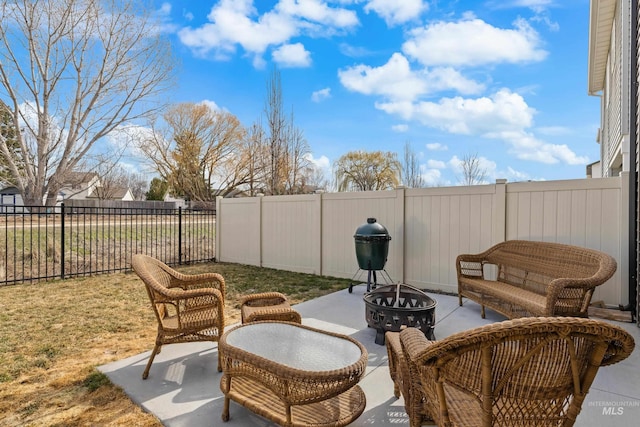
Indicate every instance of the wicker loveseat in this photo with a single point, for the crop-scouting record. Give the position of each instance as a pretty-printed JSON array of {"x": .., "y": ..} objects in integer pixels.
[{"x": 533, "y": 278}]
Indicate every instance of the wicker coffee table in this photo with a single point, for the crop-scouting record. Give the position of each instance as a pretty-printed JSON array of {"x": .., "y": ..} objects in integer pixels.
[{"x": 293, "y": 374}]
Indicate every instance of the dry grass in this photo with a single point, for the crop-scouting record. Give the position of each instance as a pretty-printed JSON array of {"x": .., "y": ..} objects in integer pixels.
[{"x": 54, "y": 334}]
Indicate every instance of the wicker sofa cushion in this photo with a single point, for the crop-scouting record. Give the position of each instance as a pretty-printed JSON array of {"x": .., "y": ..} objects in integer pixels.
[{"x": 532, "y": 301}]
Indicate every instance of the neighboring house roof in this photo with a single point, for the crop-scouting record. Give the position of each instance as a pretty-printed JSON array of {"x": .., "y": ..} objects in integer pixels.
[
  {"x": 77, "y": 178},
  {"x": 10, "y": 190},
  {"x": 117, "y": 193},
  {"x": 600, "y": 25}
]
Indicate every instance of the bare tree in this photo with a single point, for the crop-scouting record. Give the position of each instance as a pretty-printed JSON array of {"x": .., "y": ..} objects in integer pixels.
[
  {"x": 138, "y": 184},
  {"x": 287, "y": 148},
  {"x": 72, "y": 71},
  {"x": 472, "y": 171},
  {"x": 367, "y": 171},
  {"x": 113, "y": 180},
  {"x": 297, "y": 161},
  {"x": 276, "y": 142},
  {"x": 313, "y": 178},
  {"x": 411, "y": 176},
  {"x": 198, "y": 151},
  {"x": 254, "y": 153}
]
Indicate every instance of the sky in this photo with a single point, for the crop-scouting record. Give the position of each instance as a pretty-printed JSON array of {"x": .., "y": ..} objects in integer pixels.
[{"x": 502, "y": 80}]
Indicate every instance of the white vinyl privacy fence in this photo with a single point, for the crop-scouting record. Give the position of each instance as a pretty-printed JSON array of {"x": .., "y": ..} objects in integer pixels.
[{"x": 429, "y": 227}]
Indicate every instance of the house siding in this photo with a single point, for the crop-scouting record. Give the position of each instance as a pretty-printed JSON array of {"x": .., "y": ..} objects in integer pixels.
[
  {"x": 616, "y": 94},
  {"x": 636, "y": 165}
]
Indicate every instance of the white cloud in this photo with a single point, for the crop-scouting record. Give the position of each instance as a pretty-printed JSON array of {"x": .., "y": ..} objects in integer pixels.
[
  {"x": 321, "y": 94},
  {"x": 431, "y": 177},
  {"x": 165, "y": 9},
  {"x": 504, "y": 116},
  {"x": 163, "y": 16},
  {"x": 397, "y": 81},
  {"x": 503, "y": 110},
  {"x": 400, "y": 128},
  {"x": 292, "y": 55},
  {"x": 395, "y": 11},
  {"x": 318, "y": 11},
  {"x": 436, "y": 146},
  {"x": 234, "y": 23},
  {"x": 322, "y": 164},
  {"x": 436, "y": 164},
  {"x": 447, "y": 78},
  {"x": 473, "y": 42},
  {"x": 513, "y": 175},
  {"x": 394, "y": 79},
  {"x": 526, "y": 146},
  {"x": 211, "y": 104},
  {"x": 353, "y": 51}
]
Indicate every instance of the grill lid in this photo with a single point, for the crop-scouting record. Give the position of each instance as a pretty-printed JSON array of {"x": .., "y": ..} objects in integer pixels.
[{"x": 371, "y": 231}]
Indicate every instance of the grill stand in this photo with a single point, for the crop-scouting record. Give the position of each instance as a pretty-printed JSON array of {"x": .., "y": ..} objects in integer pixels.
[{"x": 371, "y": 274}]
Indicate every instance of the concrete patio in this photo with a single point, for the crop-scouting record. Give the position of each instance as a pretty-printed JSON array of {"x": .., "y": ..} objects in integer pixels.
[{"x": 183, "y": 385}]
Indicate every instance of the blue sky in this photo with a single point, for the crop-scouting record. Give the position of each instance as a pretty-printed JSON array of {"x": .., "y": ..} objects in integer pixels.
[{"x": 505, "y": 80}]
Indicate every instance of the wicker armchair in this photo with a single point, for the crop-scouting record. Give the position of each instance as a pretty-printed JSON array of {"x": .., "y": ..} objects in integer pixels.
[
  {"x": 188, "y": 307},
  {"x": 533, "y": 371}
]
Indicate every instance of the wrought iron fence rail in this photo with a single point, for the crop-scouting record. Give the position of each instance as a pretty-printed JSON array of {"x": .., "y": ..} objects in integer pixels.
[{"x": 38, "y": 244}]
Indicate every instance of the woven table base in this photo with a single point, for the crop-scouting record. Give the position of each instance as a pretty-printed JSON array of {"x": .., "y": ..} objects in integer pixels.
[{"x": 338, "y": 411}]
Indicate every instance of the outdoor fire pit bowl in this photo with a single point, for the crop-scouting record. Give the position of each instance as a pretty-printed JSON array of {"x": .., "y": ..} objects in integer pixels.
[{"x": 390, "y": 307}]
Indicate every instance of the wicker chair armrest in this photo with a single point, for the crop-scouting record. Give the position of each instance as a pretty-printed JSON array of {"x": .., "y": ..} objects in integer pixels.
[
  {"x": 263, "y": 299},
  {"x": 195, "y": 281},
  {"x": 177, "y": 294},
  {"x": 414, "y": 344},
  {"x": 471, "y": 257},
  {"x": 606, "y": 270},
  {"x": 556, "y": 286},
  {"x": 470, "y": 265},
  {"x": 201, "y": 292},
  {"x": 283, "y": 314}
]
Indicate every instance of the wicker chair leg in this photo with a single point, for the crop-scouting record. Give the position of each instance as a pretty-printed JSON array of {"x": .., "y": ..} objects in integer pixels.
[
  {"x": 396, "y": 390},
  {"x": 459, "y": 299},
  {"x": 225, "y": 409},
  {"x": 482, "y": 314},
  {"x": 156, "y": 350},
  {"x": 219, "y": 361}
]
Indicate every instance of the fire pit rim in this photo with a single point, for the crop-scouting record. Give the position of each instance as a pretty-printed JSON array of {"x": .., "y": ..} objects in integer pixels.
[
  {"x": 394, "y": 285},
  {"x": 373, "y": 311}
]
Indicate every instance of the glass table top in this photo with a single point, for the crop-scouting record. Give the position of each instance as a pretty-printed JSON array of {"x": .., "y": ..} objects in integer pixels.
[{"x": 294, "y": 346}]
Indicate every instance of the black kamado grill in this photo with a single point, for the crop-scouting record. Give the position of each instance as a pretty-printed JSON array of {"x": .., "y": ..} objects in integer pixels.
[{"x": 372, "y": 248}]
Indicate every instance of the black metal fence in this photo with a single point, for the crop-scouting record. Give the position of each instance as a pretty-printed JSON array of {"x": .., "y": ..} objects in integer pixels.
[{"x": 64, "y": 242}]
